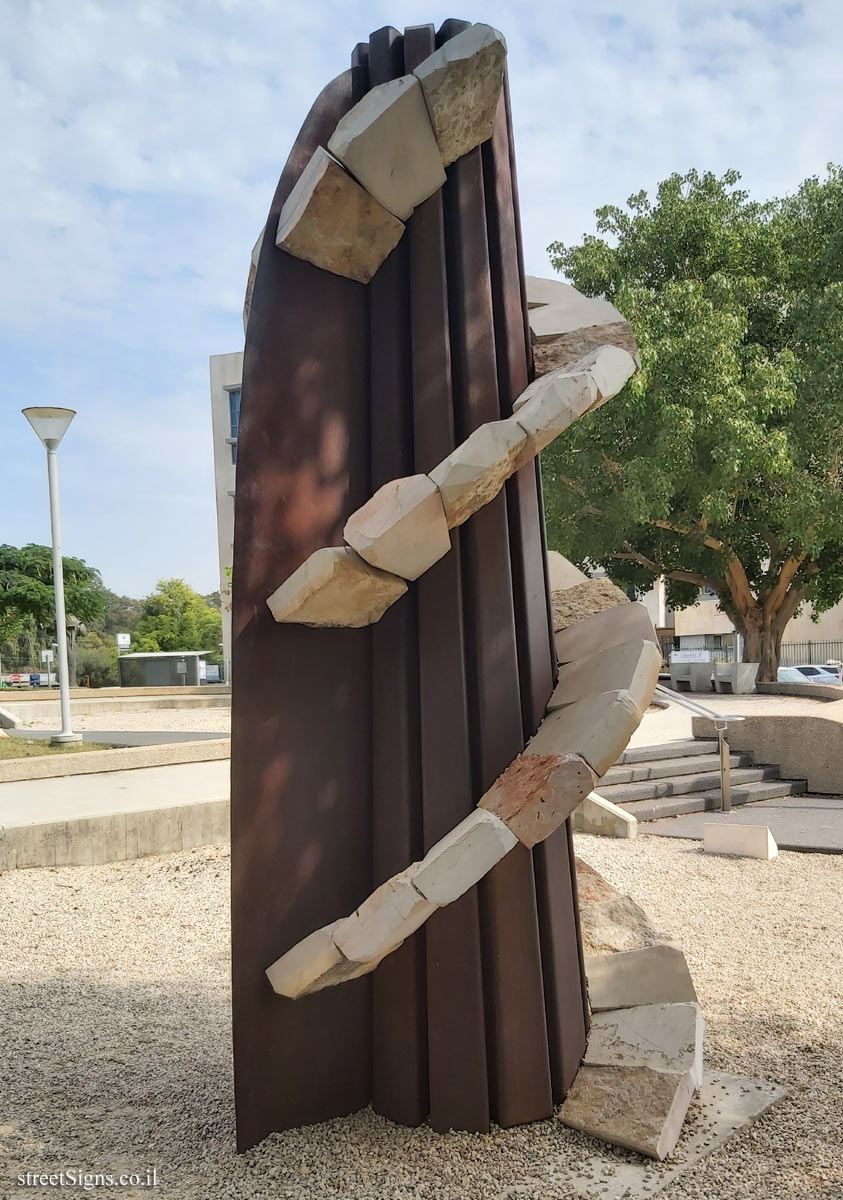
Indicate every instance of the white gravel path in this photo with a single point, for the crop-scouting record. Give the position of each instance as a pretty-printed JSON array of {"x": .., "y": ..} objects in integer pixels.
[
  {"x": 198, "y": 720},
  {"x": 114, "y": 1027}
]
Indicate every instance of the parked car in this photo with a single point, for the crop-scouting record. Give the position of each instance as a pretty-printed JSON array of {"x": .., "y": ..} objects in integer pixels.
[{"x": 813, "y": 673}]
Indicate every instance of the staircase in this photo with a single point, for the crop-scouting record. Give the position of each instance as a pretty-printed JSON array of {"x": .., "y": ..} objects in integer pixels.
[{"x": 684, "y": 777}]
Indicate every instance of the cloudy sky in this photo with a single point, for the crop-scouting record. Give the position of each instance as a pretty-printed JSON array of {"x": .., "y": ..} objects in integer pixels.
[{"x": 141, "y": 144}]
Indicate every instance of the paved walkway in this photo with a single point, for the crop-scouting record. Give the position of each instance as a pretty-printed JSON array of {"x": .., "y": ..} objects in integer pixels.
[
  {"x": 812, "y": 824},
  {"x": 126, "y": 737},
  {"x": 34, "y": 801}
]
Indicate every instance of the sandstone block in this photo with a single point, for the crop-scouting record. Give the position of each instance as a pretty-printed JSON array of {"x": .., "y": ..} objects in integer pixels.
[
  {"x": 613, "y": 627},
  {"x": 561, "y": 573},
  {"x": 666, "y": 1037},
  {"x": 600, "y": 816},
  {"x": 312, "y": 964},
  {"x": 613, "y": 926},
  {"x": 335, "y": 587},
  {"x": 633, "y": 667},
  {"x": 383, "y": 920},
  {"x": 402, "y": 529},
  {"x": 331, "y": 221},
  {"x": 550, "y": 404},
  {"x": 635, "y": 1107},
  {"x": 572, "y": 604},
  {"x": 462, "y": 83},
  {"x": 653, "y": 975},
  {"x": 250, "y": 282},
  {"x": 475, "y": 472},
  {"x": 387, "y": 143},
  {"x": 597, "y": 728},
  {"x": 750, "y": 841},
  {"x": 537, "y": 792},
  {"x": 592, "y": 887},
  {"x": 462, "y": 857}
]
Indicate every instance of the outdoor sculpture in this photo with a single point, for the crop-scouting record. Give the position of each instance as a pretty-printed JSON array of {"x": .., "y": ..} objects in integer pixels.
[{"x": 403, "y": 754}]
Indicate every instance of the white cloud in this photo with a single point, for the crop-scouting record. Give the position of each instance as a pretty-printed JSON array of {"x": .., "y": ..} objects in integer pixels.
[{"x": 142, "y": 144}]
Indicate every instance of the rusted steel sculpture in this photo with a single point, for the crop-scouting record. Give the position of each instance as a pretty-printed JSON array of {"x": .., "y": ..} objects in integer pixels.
[{"x": 386, "y": 685}]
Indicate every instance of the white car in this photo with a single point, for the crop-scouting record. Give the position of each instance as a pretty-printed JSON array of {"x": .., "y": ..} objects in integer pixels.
[{"x": 810, "y": 674}]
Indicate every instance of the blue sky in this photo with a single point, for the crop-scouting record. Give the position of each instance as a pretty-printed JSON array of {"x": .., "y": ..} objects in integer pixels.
[{"x": 142, "y": 142}]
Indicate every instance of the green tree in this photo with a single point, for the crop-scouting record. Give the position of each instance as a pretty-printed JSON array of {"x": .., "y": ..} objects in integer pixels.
[
  {"x": 122, "y": 613},
  {"x": 26, "y": 590},
  {"x": 721, "y": 462},
  {"x": 177, "y": 618},
  {"x": 96, "y": 660}
]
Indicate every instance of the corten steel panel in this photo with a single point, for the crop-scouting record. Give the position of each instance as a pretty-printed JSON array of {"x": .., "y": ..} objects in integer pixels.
[{"x": 354, "y": 751}]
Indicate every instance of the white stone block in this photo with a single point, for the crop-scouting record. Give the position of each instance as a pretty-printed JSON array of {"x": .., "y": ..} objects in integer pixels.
[
  {"x": 335, "y": 588},
  {"x": 462, "y": 83},
  {"x": 387, "y": 143},
  {"x": 312, "y": 964},
  {"x": 383, "y": 921},
  {"x": 749, "y": 841},
  {"x": 462, "y": 857},
  {"x": 636, "y": 1107},
  {"x": 565, "y": 310},
  {"x": 666, "y": 1037},
  {"x": 402, "y": 529},
  {"x": 551, "y": 403},
  {"x": 618, "y": 625},
  {"x": 600, "y": 816},
  {"x": 538, "y": 792},
  {"x": 546, "y": 291},
  {"x": 562, "y": 574},
  {"x": 597, "y": 728},
  {"x": 611, "y": 368},
  {"x": 475, "y": 472},
  {"x": 329, "y": 220},
  {"x": 633, "y": 667},
  {"x": 653, "y": 975},
  {"x": 250, "y": 282}
]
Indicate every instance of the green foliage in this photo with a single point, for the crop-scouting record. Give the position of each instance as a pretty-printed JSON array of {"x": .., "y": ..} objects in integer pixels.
[
  {"x": 26, "y": 590},
  {"x": 177, "y": 618},
  {"x": 122, "y": 613},
  {"x": 721, "y": 462},
  {"x": 96, "y": 660}
]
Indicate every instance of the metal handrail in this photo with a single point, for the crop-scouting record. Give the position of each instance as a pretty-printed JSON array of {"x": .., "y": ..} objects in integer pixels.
[{"x": 721, "y": 725}]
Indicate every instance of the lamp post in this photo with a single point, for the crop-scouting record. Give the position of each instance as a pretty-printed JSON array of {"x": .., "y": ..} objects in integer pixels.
[{"x": 51, "y": 424}]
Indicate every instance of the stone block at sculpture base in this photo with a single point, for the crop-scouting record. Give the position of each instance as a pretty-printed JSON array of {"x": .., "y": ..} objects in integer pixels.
[
  {"x": 462, "y": 857},
  {"x": 537, "y": 792},
  {"x": 616, "y": 925},
  {"x": 383, "y": 920},
  {"x": 387, "y": 143},
  {"x": 462, "y": 83},
  {"x": 336, "y": 588},
  {"x": 749, "y": 841},
  {"x": 312, "y": 964},
  {"x": 635, "y": 1107},
  {"x": 402, "y": 529},
  {"x": 654, "y": 975},
  {"x": 600, "y": 816},
  {"x": 665, "y": 1037},
  {"x": 597, "y": 728},
  {"x": 634, "y": 667},
  {"x": 476, "y": 471},
  {"x": 599, "y": 632},
  {"x": 331, "y": 221},
  {"x": 574, "y": 604}
]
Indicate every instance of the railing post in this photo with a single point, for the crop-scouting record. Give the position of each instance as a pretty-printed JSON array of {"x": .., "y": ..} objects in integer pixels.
[{"x": 725, "y": 769}]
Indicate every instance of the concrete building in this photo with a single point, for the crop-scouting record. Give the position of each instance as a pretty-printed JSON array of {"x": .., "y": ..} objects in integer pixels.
[{"x": 226, "y": 378}]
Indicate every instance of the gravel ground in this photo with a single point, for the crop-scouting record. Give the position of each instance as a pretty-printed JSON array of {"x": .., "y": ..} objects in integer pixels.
[
  {"x": 199, "y": 720},
  {"x": 116, "y": 1052}
]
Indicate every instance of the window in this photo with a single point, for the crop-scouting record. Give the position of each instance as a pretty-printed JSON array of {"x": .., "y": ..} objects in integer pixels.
[{"x": 234, "y": 419}]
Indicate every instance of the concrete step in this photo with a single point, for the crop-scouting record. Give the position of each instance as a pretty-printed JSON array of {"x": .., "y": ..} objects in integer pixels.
[
  {"x": 663, "y": 768},
  {"x": 678, "y": 749},
  {"x": 698, "y": 781},
  {"x": 677, "y": 806}
]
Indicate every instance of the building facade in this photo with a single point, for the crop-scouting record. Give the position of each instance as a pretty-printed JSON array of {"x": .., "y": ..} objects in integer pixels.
[{"x": 226, "y": 379}]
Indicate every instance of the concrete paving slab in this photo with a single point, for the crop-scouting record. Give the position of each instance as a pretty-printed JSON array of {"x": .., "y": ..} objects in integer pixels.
[
  {"x": 725, "y": 1104},
  {"x": 810, "y": 824},
  {"x": 127, "y": 737},
  {"x": 36, "y": 801}
]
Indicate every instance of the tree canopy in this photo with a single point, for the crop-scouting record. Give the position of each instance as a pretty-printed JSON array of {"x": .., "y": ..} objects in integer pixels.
[
  {"x": 26, "y": 590},
  {"x": 721, "y": 462},
  {"x": 175, "y": 617}
]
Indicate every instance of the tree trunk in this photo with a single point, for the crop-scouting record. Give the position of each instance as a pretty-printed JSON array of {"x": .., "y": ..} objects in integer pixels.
[{"x": 762, "y": 644}]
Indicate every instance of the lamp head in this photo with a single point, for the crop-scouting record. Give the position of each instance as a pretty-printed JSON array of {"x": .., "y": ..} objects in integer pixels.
[{"x": 49, "y": 423}]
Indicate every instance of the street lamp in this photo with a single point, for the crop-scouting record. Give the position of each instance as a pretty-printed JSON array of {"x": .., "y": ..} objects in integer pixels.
[{"x": 51, "y": 424}]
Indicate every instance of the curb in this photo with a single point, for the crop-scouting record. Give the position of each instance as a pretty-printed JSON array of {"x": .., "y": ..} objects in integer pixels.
[{"x": 96, "y": 762}]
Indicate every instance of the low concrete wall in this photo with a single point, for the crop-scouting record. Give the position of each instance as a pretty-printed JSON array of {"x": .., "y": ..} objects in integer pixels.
[
  {"x": 804, "y": 746},
  {"x": 81, "y": 693},
  {"x": 91, "y": 841},
  {"x": 813, "y": 691},
  {"x": 94, "y": 762},
  {"x": 25, "y": 710}
]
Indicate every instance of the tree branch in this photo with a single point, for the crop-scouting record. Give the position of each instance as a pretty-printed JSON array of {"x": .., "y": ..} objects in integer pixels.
[{"x": 713, "y": 543}]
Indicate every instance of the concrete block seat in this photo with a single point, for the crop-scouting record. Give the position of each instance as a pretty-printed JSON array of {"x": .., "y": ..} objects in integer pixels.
[
  {"x": 696, "y": 675},
  {"x": 737, "y": 678}
]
